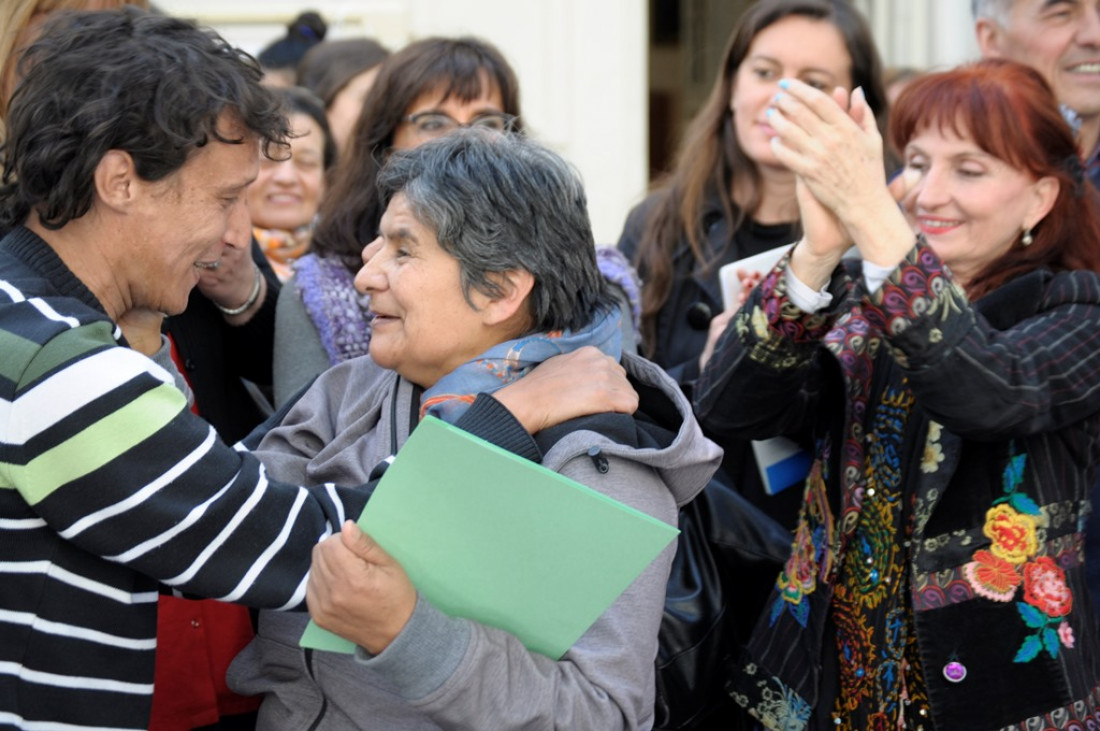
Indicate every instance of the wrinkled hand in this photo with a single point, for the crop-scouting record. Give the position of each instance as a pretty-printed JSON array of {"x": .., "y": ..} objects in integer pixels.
[
  {"x": 721, "y": 320},
  {"x": 567, "y": 386},
  {"x": 141, "y": 327},
  {"x": 230, "y": 284},
  {"x": 837, "y": 151},
  {"x": 837, "y": 154},
  {"x": 358, "y": 591}
]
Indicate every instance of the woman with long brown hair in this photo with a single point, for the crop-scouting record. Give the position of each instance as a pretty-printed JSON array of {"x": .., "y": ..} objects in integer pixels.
[{"x": 728, "y": 197}]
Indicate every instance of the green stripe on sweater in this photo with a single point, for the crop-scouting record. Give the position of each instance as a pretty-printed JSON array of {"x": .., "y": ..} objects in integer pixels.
[
  {"x": 18, "y": 351},
  {"x": 98, "y": 444},
  {"x": 69, "y": 346}
]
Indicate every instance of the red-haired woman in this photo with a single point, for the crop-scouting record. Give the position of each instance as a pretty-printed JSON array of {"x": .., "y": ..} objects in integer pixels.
[{"x": 952, "y": 382}]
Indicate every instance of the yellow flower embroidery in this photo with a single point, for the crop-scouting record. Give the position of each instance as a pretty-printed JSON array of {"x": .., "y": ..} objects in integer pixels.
[
  {"x": 1012, "y": 533},
  {"x": 760, "y": 322},
  {"x": 933, "y": 452}
]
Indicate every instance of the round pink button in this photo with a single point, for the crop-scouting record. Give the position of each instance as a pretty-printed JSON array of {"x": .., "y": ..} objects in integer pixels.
[{"x": 954, "y": 671}]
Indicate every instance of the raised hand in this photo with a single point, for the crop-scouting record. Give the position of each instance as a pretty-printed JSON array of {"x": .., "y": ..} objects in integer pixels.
[
  {"x": 230, "y": 283},
  {"x": 839, "y": 159},
  {"x": 838, "y": 155}
]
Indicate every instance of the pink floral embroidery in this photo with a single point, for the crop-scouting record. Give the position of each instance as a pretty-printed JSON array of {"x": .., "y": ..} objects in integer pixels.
[
  {"x": 992, "y": 577},
  {"x": 1065, "y": 634},
  {"x": 1045, "y": 587}
]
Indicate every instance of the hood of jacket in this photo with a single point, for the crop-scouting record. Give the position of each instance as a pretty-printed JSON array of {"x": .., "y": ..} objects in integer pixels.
[{"x": 663, "y": 434}]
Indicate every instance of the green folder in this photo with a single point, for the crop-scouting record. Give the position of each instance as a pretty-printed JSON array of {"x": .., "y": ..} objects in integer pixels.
[{"x": 493, "y": 537}]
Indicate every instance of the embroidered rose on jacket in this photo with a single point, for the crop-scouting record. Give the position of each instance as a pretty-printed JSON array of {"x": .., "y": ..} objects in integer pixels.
[
  {"x": 1012, "y": 525},
  {"x": 1012, "y": 533},
  {"x": 1045, "y": 587},
  {"x": 992, "y": 577}
]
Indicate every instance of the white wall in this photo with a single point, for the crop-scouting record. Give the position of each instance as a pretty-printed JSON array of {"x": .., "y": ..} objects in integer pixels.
[{"x": 581, "y": 65}]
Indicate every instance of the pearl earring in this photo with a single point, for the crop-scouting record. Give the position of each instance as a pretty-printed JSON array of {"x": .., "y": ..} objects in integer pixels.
[{"x": 1027, "y": 238}]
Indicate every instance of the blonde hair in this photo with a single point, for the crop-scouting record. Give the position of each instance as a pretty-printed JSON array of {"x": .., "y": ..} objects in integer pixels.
[{"x": 19, "y": 20}]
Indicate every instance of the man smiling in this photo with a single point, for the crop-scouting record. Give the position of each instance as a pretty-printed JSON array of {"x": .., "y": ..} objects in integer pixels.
[
  {"x": 131, "y": 141},
  {"x": 1061, "y": 40}
]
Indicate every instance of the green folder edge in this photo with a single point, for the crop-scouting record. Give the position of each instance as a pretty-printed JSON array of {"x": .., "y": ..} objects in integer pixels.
[{"x": 550, "y": 555}]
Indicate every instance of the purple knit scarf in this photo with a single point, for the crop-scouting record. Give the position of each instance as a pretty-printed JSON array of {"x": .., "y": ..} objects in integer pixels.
[{"x": 340, "y": 314}]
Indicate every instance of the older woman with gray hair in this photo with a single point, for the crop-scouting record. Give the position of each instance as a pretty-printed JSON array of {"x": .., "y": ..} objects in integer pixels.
[{"x": 484, "y": 267}]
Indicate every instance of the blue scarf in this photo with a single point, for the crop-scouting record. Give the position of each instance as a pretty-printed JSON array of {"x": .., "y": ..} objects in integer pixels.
[{"x": 501, "y": 364}]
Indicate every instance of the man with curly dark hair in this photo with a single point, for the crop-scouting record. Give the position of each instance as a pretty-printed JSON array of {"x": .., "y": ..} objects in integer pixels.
[{"x": 131, "y": 140}]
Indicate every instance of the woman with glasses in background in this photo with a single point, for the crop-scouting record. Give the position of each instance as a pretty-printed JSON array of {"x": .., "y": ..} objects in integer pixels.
[{"x": 426, "y": 90}]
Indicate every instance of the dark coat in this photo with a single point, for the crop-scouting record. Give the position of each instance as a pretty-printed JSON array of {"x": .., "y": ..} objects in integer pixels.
[
  {"x": 1017, "y": 374},
  {"x": 215, "y": 356},
  {"x": 683, "y": 324},
  {"x": 695, "y": 298}
]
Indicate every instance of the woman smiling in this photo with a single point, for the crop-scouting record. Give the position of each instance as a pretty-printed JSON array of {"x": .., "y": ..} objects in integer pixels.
[
  {"x": 284, "y": 199},
  {"x": 484, "y": 267},
  {"x": 952, "y": 383}
]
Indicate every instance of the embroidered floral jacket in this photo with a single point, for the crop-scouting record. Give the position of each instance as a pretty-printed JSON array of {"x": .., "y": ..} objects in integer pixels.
[{"x": 956, "y": 444}]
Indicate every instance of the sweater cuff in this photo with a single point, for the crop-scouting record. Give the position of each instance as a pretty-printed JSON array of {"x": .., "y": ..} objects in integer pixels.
[
  {"x": 425, "y": 653},
  {"x": 490, "y": 420}
]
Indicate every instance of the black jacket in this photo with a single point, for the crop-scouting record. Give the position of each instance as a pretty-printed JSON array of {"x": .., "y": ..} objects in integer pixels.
[
  {"x": 683, "y": 323},
  {"x": 216, "y": 355}
]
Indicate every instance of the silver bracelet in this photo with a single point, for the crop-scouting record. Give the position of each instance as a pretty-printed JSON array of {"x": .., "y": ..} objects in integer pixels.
[{"x": 252, "y": 296}]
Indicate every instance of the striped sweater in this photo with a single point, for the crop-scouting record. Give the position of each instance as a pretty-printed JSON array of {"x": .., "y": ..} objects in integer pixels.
[{"x": 110, "y": 489}]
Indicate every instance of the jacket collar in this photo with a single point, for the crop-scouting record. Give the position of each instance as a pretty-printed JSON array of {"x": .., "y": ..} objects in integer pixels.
[
  {"x": 33, "y": 252},
  {"x": 1015, "y": 300}
]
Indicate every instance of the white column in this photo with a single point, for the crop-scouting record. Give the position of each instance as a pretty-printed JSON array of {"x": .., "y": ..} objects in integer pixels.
[{"x": 926, "y": 34}]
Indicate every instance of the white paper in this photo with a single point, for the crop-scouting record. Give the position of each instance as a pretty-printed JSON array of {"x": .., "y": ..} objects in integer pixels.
[{"x": 761, "y": 263}]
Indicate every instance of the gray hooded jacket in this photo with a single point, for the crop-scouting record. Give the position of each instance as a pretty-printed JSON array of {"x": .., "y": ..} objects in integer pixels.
[{"x": 448, "y": 673}]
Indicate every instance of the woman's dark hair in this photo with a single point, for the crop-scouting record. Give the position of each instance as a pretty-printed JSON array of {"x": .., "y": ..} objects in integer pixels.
[
  {"x": 1010, "y": 112},
  {"x": 302, "y": 34},
  {"x": 150, "y": 85},
  {"x": 711, "y": 164},
  {"x": 297, "y": 100},
  {"x": 456, "y": 67},
  {"x": 328, "y": 67}
]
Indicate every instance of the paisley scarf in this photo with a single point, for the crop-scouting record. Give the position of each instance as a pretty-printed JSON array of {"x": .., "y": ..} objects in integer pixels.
[
  {"x": 501, "y": 364},
  {"x": 282, "y": 247}
]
